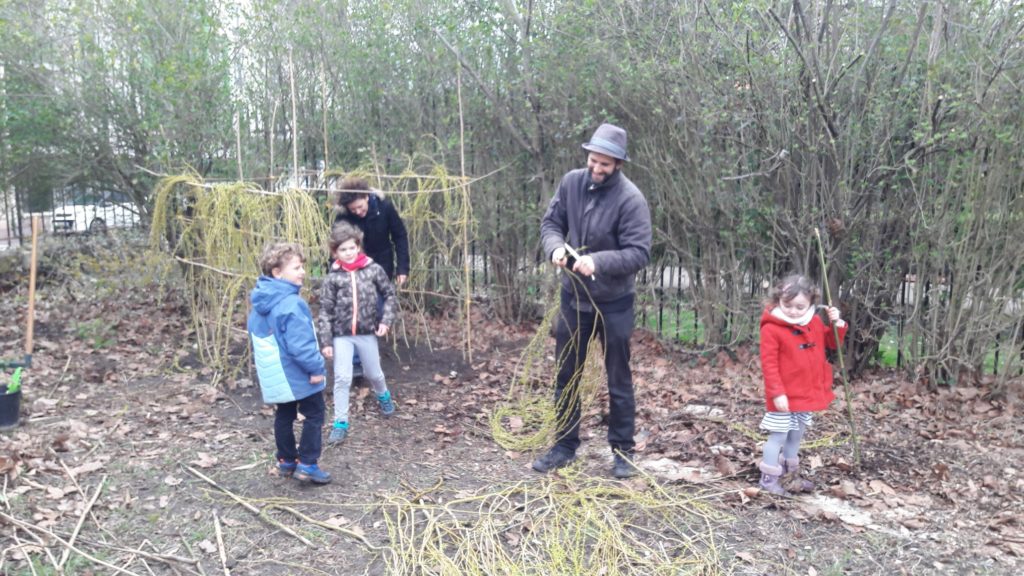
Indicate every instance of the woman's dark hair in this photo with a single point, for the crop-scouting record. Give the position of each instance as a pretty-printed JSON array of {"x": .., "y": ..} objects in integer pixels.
[{"x": 351, "y": 189}]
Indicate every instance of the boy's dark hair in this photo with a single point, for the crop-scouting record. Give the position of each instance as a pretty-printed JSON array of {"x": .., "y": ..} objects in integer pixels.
[
  {"x": 792, "y": 286},
  {"x": 343, "y": 232},
  {"x": 351, "y": 189},
  {"x": 275, "y": 255}
]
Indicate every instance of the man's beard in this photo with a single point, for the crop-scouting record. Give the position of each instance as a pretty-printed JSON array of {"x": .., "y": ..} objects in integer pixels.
[{"x": 604, "y": 178}]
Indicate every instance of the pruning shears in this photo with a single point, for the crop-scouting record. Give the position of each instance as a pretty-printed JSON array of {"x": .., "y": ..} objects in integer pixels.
[{"x": 576, "y": 256}]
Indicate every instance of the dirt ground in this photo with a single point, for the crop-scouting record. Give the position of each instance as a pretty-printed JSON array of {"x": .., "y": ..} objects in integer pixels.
[{"x": 141, "y": 460}]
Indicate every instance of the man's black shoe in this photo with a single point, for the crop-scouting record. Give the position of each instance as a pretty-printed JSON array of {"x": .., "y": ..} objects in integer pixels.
[
  {"x": 623, "y": 467},
  {"x": 554, "y": 459}
]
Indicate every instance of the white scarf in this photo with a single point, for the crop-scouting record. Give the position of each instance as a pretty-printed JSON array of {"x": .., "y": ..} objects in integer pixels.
[{"x": 801, "y": 321}]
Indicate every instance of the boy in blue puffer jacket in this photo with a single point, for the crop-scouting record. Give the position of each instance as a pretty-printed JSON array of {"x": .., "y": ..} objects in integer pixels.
[{"x": 288, "y": 361}]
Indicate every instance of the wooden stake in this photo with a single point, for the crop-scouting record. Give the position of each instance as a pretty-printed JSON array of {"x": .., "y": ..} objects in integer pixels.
[
  {"x": 238, "y": 144},
  {"x": 32, "y": 291},
  {"x": 295, "y": 120},
  {"x": 323, "y": 103},
  {"x": 839, "y": 350},
  {"x": 273, "y": 134},
  {"x": 466, "y": 215}
]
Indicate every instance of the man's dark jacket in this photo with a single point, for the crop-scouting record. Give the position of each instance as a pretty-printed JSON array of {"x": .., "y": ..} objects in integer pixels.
[
  {"x": 384, "y": 235},
  {"x": 611, "y": 223}
]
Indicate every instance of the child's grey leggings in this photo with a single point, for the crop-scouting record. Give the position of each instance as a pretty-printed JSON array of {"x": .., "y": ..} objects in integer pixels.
[{"x": 786, "y": 442}]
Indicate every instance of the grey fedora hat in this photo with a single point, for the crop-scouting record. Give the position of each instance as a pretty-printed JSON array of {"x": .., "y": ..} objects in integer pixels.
[{"x": 609, "y": 140}]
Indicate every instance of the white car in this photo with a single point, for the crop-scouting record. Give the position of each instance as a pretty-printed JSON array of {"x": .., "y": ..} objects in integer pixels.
[{"x": 92, "y": 212}]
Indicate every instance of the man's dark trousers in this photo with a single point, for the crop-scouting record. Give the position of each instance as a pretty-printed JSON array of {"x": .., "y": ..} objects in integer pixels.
[{"x": 573, "y": 332}]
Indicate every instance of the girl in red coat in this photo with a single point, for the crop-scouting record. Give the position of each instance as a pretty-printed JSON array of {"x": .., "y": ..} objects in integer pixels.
[{"x": 797, "y": 378}]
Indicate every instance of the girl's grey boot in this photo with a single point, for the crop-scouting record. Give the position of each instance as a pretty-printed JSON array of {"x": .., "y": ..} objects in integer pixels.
[{"x": 771, "y": 479}]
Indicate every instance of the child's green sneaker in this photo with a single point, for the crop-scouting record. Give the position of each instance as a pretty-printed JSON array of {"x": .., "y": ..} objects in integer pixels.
[
  {"x": 338, "y": 432},
  {"x": 387, "y": 405}
]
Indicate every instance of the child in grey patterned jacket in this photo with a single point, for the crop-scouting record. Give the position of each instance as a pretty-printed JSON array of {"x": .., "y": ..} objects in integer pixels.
[{"x": 349, "y": 321}]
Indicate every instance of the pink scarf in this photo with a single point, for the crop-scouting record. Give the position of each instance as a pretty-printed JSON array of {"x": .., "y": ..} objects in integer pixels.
[{"x": 361, "y": 261}]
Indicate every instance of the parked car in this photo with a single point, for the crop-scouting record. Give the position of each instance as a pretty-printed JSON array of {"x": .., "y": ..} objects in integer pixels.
[{"x": 95, "y": 212}]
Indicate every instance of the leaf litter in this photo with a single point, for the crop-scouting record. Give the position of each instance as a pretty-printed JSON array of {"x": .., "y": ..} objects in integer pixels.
[{"x": 940, "y": 477}]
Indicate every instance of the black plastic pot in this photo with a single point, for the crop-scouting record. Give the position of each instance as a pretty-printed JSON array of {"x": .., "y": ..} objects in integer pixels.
[{"x": 10, "y": 406}]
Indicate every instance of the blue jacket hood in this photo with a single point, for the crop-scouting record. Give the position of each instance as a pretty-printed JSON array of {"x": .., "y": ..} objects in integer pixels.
[{"x": 269, "y": 292}]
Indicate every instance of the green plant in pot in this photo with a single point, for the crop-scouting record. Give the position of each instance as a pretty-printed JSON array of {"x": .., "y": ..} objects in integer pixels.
[{"x": 15, "y": 384}]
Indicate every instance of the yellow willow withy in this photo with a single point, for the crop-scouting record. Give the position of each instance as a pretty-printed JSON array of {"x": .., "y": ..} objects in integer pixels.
[
  {"x": 216, "y": 232},
  {"x": 527, "y": 418},
  {"x": 569, "y": 524}
]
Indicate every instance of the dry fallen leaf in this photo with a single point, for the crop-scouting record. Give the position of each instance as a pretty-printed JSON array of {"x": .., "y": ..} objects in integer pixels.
[
  {"x": 724, "y": 466},
  {"x": 7, "y": 462},
  {"x": 337, "y": 521},
  {"x": 60, "y": 442},
  {"x": 91, "y": 466},
  {"x": 878, "y": 486},
  {"x": 207, "y": 546},
  {"x": 204, "y": 460},
  {"x": 913, "y": 523}
]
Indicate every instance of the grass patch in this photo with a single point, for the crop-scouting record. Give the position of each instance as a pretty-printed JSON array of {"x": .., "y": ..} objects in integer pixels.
[
  {"x": 672, "y": 322},
  {"x": 888, "y": 356}
]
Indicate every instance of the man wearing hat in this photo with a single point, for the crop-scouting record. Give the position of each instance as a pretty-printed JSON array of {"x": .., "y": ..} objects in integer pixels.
[{"x": 598, "y": 226}]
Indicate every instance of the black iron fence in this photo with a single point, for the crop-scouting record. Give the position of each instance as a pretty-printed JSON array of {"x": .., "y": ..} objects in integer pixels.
[{"x": 666, "y": 303}]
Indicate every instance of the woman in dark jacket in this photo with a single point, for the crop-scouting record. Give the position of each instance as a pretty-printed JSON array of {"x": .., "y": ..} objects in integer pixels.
[{"x": 384, "y": 234}]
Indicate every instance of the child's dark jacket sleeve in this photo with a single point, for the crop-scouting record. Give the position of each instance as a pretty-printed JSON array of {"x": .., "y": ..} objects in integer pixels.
[
  {"x": 328, "y": 304},
  {"x": 386, "y": 289},
  {"x": 400, "y": 238}
]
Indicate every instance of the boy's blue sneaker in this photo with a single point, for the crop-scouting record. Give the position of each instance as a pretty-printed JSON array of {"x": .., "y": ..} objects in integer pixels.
[
  {"x": 284, "y": 468},
  {"x": 387, "y": 405},
  {"x": 338, "y": 433},
  {"x": 311, "y": 473}
]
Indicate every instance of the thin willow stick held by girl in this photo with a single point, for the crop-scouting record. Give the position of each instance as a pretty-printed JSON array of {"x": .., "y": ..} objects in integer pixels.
[{"x": 839, "y": 350}]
